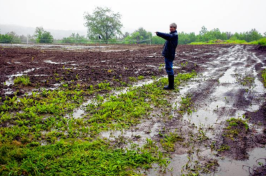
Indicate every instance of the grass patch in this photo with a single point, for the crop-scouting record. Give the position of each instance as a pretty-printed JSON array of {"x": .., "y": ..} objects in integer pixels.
[
  {"x": 24, "y": 80},
  {"x": 129, "y": 108},
  {"x": 185, "y": 105},
  {"x": 71, "y": 145},
  {"x": 262, "y": 42},
  {"x": 223, "y": 148},
  {"x": 169, "y": 140},
  {"x": 263, "y": 75},
  {"x": 211, "y": 42},
  {"x": 235, "y": 127},
  {"x": 74, "y": 158},
  {"x": 245, "y": 80},
  {"x": 140, "y": 77}
]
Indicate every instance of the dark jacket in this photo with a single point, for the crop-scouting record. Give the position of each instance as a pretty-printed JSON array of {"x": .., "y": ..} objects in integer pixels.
[{"x": 170, "y": 44}]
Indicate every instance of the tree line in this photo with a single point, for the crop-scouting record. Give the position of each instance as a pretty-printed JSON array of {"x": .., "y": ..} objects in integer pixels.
[
  {"x": 40, "y": 36},
  {"x": 104, "y": 26}
]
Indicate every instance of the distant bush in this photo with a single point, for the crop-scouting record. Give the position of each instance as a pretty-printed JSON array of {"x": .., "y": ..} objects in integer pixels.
[
  {"x": 236, "y": 42},
  {"x": 10, "y": 37},
  {"x": 220, "y": 42},
  {"x": 254, "y": 42},
  {"x": 75, "y": 38},
  {"x": 5, "y": 38},
  {"x": 262, "y": 42},
  {"x": 157, "y": 40}
]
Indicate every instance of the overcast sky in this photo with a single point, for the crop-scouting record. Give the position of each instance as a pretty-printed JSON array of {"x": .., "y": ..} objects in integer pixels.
[{"x": 153, "y": 15}]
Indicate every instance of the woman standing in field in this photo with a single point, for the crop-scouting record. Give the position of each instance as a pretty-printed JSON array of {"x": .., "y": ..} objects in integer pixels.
[{"x": 169, "y": 53}]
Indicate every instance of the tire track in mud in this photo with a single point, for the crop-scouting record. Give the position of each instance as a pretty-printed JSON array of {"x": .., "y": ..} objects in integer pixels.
[{"x": 223, "y": 96}]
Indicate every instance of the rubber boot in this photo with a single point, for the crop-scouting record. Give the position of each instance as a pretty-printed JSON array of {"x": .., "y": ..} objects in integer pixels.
[{"x": 170, "y": 86}]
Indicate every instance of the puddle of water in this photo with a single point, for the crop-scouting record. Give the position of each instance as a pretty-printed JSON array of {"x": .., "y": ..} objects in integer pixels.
[
  {"x": 234, "y": 167},
  {"x": 10, "y": 80},
  {"x": 228, "y": 78},
  {"x": 77, "y": 113},
  {"x": 144, "y": 130},
  {"x": 52, "y": 62},
  {"x": 176, "y": 163},
  {"x": 224, "y": 95},
  {"x": 8, "y": 91}
]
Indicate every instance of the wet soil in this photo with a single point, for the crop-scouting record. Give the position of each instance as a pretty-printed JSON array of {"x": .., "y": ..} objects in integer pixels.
[
  {"x": 229, "y": 85},
  {"x": 47, "y": 68},
  {"x": 220, "y": 91}
]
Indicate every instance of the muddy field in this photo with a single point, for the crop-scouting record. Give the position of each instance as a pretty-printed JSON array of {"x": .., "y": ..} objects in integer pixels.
[{"x": 212, "y": 124}]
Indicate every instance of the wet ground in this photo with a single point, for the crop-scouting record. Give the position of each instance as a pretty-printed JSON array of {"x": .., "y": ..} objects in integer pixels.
[{"x": 228, "y": 85}]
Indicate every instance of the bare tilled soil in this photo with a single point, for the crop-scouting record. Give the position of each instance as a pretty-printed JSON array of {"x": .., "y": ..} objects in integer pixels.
[
  {"x": 222, "y": 130},
  {"x": 48, "y": 68}
]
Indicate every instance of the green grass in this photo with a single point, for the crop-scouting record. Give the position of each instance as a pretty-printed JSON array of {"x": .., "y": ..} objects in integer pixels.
[
  {"x": 140, "y": 77},
  {"x": 262, "y": 42},
  {"x": 185, "y": 105},
  {"x": 71, "y": 146},
  {"x": 236, "y": 122},
  {"x": 74, "y": 158},
  {"x": 263, "y": 75},
  {"x": 24, "y": 80},
  {"x": 169, "y": 140},
  {"x": 211, "y": 42},
  {"x": 234, "y": 127},
  {"x": 223, "y": 148}
]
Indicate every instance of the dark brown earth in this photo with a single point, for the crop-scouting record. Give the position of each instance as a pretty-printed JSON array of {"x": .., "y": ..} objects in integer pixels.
[{"x": 90, "y": 67}]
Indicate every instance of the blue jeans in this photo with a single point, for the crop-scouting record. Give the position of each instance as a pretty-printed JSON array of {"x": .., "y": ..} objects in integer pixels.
[{"x": 169, "y": 66}]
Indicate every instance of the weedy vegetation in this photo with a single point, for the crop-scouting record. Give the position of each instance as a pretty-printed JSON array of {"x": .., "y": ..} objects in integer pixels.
[
  {"x": 262, "y": 42},
  {"x": 169, "y": 140},
  {"x": 234, "y": 127},
  {"x": 22, "y": 80},
  {"x": 39, "y": 136},
  {"x": 186, "y": 104},
  {"x": 263, "y": 75}
]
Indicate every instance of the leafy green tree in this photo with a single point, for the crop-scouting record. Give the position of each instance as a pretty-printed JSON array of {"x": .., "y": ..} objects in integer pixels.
[
  {"x": 139, "y": 36},
  {"x": 125, "y": 35},
  {"x": 254, "y": 35},
  {"x": 15, "y": 37},
  {"x": 203, "y": 30},
  {"x": 264, "y": 34},
  {"x": 5, "y": 38},
  {"x": 157, "y": 40},
  {"x": 43, "y": 36},
  {"x": 228, "y": 35},
  {"x": 103, "y": 22},
  {"x": 184, "y": 38},
  {"x": 10, "y": 37}
]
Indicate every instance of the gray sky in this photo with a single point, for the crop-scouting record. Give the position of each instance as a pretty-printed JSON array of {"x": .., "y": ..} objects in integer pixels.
[{"x": 152, "y": 15}]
